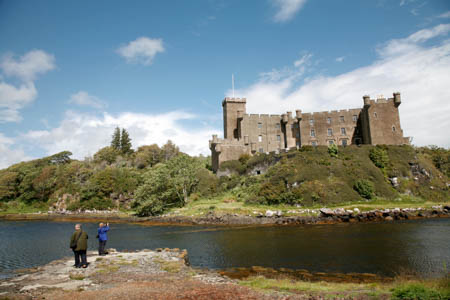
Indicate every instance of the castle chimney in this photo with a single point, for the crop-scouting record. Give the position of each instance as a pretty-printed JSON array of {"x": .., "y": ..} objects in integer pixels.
[
  {"x": 298, "y": 114},
  {"x": 284, "y": 118},
  {"x": 397, "y": 99}
]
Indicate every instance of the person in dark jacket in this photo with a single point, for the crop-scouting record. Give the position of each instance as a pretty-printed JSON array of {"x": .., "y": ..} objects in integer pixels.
[
  {"x": 102, "y": 238},
  {"x": 78, "y": 243}
]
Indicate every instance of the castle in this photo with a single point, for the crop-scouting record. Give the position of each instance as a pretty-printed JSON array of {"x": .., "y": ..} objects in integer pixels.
[{"x": 378, "y": 122}]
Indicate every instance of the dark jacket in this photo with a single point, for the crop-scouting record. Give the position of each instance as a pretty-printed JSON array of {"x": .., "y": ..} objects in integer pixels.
[
  {"x": 82, "y": 241},
  {"x": 102, "y": 236}
]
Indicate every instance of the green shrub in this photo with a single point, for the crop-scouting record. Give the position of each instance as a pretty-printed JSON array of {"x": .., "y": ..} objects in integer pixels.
[
  {"x": 233, "y": 166},
  {"x": 416, "y": 292},
  {"x": 379, "y": 157},
  {"x": 364, "y": 188},
  {"x": 333, "y": 150}
]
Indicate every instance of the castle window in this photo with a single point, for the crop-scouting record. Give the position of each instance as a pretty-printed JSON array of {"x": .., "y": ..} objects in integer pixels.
[
  {"x": 393, "y": 128},
  {"x": 278, "y": 138},
  {"x": 293, "y": 126},
  {"x": 375, "y": 115},
  {"x": 344, "y": 143},
  {"x": 330, "y": 132},
  {"x": 341, "y": 118},
  {"x": 261, "y": 150},
  {"x": 313, "y": 143},
  {"x": 311, "y": 122},
  {"x": 330, "y": 142},
  {"x": 313, "y": 133},
  {"x": 355, "y": 118},
  {"x": 259, "y": 125},
  {"x": 277, "y": 126},
  {"x": 343, "y": 131},
  {"x": 297, "y": 134},
  {"x": 296, "y": 125},
  {"x": 259, "y": 138},
  {"x": 328, "y": 120}
]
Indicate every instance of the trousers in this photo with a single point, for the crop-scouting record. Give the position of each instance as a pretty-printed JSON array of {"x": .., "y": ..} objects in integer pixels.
[
  {"x": 80, "y": 254},
  {"x": 101, "y": 247}
]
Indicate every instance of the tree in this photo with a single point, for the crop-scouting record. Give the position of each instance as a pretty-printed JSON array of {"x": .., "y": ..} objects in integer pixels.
[
  {"x": 167, "y": 184},
  {"x": 169, "y": 150},
  {"x": 116, "y": 141},
  {"x": 182, "y": 171},
  {"x": 125, "y": 142},
  {"x": 108, "y": 154}
]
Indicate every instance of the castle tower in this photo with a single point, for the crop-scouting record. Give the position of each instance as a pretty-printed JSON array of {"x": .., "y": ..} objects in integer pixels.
[
  {"x": 233, "y": 112},
  {"x": 381, "y": 121}
]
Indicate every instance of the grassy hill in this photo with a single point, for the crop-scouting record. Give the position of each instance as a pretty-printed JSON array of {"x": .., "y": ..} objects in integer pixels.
[{"x": 149, "y": 180}]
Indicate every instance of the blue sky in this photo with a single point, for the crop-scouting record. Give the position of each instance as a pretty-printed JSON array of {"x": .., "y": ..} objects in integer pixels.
[{"x": 71, "y": 71}]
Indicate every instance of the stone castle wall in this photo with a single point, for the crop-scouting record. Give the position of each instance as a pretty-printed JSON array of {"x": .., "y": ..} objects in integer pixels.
[{"x": 378, "y": 122}]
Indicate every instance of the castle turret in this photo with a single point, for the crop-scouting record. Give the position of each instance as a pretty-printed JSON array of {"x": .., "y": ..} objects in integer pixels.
[
  {"x": 366, "y": 100},
  {"x": 397, "y": 99}
]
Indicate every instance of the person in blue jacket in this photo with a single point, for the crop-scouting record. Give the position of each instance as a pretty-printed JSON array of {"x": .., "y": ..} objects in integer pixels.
[{"x": 102, "y": 238}]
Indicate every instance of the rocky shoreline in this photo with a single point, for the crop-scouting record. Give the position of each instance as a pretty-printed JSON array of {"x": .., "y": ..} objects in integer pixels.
[
  {"x": 317, "y": 216},
  {"x": 156, "y": 274}
]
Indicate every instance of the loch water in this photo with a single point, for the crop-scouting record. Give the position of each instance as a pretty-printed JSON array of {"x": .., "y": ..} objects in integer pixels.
[{"x": 417, "y": 246}]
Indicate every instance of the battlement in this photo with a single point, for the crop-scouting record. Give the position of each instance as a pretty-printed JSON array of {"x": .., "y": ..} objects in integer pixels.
[
  {"x": 233, "y": 100},
  {"x": 396, "y": 100}
]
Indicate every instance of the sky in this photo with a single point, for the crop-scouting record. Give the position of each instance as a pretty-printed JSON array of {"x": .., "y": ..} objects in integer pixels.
[{"x": 72, "y": 71}]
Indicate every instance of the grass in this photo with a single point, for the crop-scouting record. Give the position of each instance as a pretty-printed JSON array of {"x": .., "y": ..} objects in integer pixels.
[
  {"x": 75, "y": 276},
  {"x": 169, "y": 266},
  {"x": 400, "y": 287},
  {"x": 222, "y": 205}
]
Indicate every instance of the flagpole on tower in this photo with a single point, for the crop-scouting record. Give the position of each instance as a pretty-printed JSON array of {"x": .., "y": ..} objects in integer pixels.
[{"x": 232, "y": 83}]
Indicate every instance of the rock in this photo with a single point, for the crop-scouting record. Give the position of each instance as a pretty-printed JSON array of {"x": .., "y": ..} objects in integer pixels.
[
  {"x": 389, "y": 218},
  {"x": 327, "y": 212},
  {"x": 279, "y": 213},
  {"x": 394, "y": 181},
  {"x": 356, "y": 210},
  {"x": 340, "y": 211},
  {"x": 270, "y": 213}
]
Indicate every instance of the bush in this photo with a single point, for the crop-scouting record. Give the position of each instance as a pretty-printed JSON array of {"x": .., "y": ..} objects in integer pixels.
[
  {"x": 333, "y": 150},
  {"x": 416, "y": 292},
  {"x": 233, "y": 166},
  {"x": 364, "y": 188},
  {"x": 379, "y": 157}
]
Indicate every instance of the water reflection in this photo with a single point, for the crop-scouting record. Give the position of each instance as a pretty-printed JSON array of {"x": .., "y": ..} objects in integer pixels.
[{"x": 420, "y": 246}]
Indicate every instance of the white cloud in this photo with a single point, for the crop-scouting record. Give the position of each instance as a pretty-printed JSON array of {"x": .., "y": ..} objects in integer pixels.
[
  {"x": 85, "y": 134},
  {"x": 26, "y": 68},
  {"x": 340, "y": 59},
  {"x": 286, "y": 9},
  {"x": 419, "y": 72},
  {"x": 10, "y": 154},
  {"x": 142, "y": 50},
  {"x": 29, "y": 65},
  {"x": 12, "y": 99},
  {"x": 445, "y": 15},
  {"x": 84, "y": 99}
]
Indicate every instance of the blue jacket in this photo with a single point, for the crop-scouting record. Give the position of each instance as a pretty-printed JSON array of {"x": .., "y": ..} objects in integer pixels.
[{"x": 102, "y": 236}]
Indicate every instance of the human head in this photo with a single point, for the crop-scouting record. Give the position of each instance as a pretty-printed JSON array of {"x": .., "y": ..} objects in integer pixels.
[
  {"x": 77, "y": 226},
  {"x": 100, "y": 225}
]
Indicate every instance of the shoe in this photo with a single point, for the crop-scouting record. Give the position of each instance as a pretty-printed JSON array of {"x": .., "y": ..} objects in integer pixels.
[
  {"x": 84, "y": 266},
  {"x": 77, "y": 267}
]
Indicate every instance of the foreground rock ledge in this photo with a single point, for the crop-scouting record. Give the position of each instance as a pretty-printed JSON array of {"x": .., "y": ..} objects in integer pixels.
[{"x": 146, "y": 274}]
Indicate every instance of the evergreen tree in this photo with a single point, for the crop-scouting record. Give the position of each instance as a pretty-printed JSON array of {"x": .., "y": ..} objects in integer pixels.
[
  {"x": 116, "y": 141},
  {"x": 125, "y": 142}
]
